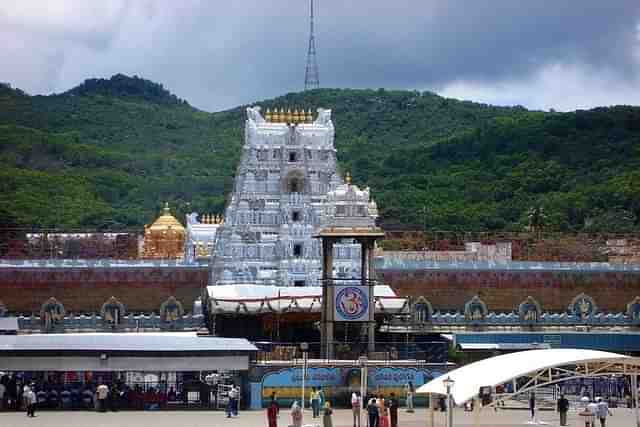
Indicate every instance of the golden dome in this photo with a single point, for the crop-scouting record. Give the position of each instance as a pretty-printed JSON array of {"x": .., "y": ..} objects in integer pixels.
[{"x": 166, "y": 221}]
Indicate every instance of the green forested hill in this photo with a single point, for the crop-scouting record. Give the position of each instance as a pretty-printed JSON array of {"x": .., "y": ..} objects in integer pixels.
[{"x": 108, "y": 153}]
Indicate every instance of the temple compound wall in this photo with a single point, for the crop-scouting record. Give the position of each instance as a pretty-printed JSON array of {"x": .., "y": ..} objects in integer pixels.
[
  {"x": 143, "y": 286},
  {"x": 503, "y": 286},
  {"x": 84, "y": 289}
]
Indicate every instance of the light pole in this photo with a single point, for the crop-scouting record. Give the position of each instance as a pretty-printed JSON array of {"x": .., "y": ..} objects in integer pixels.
[
  {"x": 305, "y": 348},
  {"x": 448, "y": 383},
  {"x": 362, "y": 361}
]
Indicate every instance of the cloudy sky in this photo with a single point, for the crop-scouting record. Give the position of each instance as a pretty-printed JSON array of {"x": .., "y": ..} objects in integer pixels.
[{"x": 562, "y": 54}]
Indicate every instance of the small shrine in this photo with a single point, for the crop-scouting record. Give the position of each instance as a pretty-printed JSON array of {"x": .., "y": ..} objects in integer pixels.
[
  {"x": 349, "y": 214},
  {"x": 164, "y": 239}
]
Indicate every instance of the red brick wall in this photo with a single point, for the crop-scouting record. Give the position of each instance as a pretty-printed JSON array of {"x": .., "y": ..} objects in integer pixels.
[
  {"x": 504, "y": 291},
  {"x": 143, "y": 289},
  {"x": 23, "y": 290}
]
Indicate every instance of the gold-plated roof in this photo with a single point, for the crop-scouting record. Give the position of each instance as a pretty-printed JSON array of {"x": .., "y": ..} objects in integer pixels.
[
  {"x": 166, "y": 221},
  {"x": 294, "y": 116}
]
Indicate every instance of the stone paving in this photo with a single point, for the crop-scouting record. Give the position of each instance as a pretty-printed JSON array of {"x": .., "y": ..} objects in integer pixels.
[{"x": 342, "y": 418}]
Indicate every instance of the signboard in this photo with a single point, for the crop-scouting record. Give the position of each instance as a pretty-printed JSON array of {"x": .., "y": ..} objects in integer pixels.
[{"x": 351, "y": 303}]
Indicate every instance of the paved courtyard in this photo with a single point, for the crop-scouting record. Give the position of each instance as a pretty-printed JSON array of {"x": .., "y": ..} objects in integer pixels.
[{"x": 621, "y": 418}]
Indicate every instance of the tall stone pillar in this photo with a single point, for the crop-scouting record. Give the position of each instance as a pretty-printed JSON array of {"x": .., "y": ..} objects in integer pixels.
[
  {"x": 369, "y": 275},
  {"x": 328, "y": 301}
]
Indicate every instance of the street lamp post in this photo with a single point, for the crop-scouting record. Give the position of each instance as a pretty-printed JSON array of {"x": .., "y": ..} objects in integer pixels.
[
  {"x": 362, "y": 361},
  {"x": 305, "y": 348},
  {"x": 448, "y": 383}
]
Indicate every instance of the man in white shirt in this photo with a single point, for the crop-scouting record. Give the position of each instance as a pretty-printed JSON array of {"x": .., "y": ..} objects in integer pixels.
[
  {"x": 603, "y": 411},
  {"x": 592, "y": 408},
  {"x": 232, "y": 408},
  {"x": 102, "y": 393}
]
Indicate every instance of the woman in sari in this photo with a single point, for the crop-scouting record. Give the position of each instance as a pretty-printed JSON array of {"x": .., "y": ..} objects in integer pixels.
[{"x": 272, "y": 412}]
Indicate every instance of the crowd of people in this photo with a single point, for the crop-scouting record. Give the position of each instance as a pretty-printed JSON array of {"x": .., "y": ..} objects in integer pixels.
[
  {"x": 20, "y": 394},
  {"x": 381, "y": 411}
]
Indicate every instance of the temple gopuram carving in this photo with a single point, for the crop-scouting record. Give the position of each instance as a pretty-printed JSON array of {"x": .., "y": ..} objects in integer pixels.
[{"x": 287, "y": 168}]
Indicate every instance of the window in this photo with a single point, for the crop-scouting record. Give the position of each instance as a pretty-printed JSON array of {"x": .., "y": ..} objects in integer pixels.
[
  {"x": 298, "y": 283},
  {"x": 341, "y": 210},
  {"x": 297, "y": 250},
  {"x": 295, "y": 216},
  {"x": 293, "y": 156}
]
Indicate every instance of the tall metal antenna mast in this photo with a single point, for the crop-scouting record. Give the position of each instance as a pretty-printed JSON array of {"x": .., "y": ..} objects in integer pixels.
[{"x": 311, "y": 75}]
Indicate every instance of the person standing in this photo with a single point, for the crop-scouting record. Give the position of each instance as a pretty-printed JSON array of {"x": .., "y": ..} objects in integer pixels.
[
  {"x": 532, "y": 405},
  {"x": 231, "y": 398},
  {"x": 393, "y": 410},
  {"x": 102, "y": 392},
  {"x": 114, "y": 396},
  {"x": 296, "y": 415},
  {"x": 273, "y": 411},
  {"x": 383, "y": 413},
  {"x": 592, "y": 410},
  {"x": 563, "y": 408},
  {"x": 409, "y": 391},
  {"x": 236, "y": 400},
  {"x": 602, "y": 411},
  {"x": 321, "y": 396},
  {"x": 327, "y": 420},
  {"x": 29, "y": 398},
  {"x": 372, "y": 411},
  {"x": 315, "y": 402},
  {"x": 3, "y": 390},
  {"x": 355, "y": 408}
]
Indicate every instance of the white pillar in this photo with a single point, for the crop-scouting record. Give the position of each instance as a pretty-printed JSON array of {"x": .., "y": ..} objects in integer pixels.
[
  {"x": 634, "y": 395},
  {"x": 363, "y": 390},
  {"x": 304, "y": 374}
]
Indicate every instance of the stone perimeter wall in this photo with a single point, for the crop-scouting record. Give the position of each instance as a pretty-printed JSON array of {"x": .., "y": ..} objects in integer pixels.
[
  {"x": 24, "y": 290},
  {"x": 505, "y": 290},
  {"x": 143, "y": 289}
]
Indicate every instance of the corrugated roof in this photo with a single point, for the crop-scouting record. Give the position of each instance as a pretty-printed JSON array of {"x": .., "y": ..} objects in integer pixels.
[{"x": 139, "y": 342}]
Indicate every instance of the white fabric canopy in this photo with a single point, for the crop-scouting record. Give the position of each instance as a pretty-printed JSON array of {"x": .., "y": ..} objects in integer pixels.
[
  {"x": 244, "y": 292},
  {"x": 502, "y": 369}
]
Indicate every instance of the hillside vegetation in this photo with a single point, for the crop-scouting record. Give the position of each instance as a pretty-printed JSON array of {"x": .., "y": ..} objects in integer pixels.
[{"x": 108, "y": 153}]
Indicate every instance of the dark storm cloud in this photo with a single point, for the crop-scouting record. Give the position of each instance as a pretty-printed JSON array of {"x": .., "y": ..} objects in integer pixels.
[{"x": 221, "y": 54}]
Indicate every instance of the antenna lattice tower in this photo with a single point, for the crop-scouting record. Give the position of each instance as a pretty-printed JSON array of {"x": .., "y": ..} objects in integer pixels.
[{"x": 311, "y": 74}]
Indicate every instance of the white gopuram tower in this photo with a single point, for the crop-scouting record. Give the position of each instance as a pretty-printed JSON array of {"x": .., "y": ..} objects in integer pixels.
[{"x": 287, "y": 167}]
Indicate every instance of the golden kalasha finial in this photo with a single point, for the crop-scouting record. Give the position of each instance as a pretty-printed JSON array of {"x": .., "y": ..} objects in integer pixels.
[
  {"x": 215, "y": 219},
  {"x": 167, "y": 211},
  {"x": 267, "y": 115},
  {"x": 296, "y": 116},
  {"x": 220, "y": 219},
  {"x": 309, "y": 116},
  {"x": 347, "y": 178},
  {"x": 204, "y": 219},
  {"x": 277, "y": 115},
  {"x": 289, "y": 116}
]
